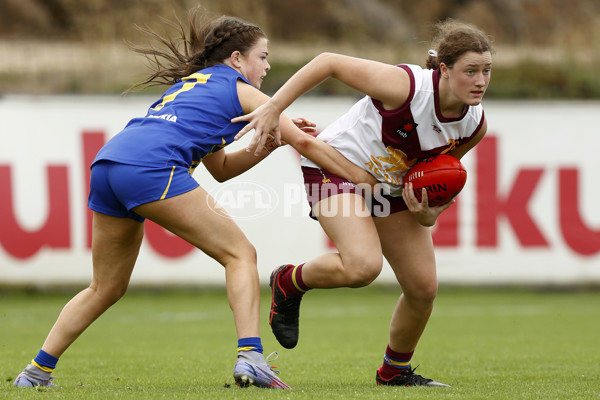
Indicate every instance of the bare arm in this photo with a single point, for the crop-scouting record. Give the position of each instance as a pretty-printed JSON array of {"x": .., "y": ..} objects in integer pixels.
[
  {"x": 223, "y": 166},
  {"x": 316, "y": 150},
  {"x": 322, "y": 154},
  {"x": 386, "y": 83}
]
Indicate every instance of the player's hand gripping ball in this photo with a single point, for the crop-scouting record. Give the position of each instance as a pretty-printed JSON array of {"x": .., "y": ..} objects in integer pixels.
[{"x": 443, "y": 176}]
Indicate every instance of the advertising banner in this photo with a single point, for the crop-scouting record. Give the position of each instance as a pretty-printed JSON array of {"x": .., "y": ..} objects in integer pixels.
[{"x": 527, "y": 214}]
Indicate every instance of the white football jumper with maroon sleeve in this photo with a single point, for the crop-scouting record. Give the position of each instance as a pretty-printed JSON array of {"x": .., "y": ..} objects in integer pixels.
[{"x": 388, "y": 142}]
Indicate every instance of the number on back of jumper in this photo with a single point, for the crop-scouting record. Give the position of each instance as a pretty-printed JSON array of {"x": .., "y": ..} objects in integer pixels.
[{"x": 196, "y": 78}]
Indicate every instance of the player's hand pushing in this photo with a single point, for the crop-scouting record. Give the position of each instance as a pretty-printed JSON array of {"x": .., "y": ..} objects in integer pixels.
[
  {"x": 306, "y": 126},
  {"x": 265, "y": 121}
]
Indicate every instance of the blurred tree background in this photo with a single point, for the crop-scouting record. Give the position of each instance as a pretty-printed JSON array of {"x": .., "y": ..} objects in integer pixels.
[{"x": 543, "y": 48}]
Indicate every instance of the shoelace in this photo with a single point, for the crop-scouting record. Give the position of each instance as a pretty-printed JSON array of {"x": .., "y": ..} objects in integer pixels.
[
  {"x": 410, "y": 374},
  {"x": 268, "y": 360}
]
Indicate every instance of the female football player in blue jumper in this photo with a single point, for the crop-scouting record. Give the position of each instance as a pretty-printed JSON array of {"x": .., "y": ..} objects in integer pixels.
[
  {"x": 409, "y": 113},
  {"x": 145, "y": 171}
]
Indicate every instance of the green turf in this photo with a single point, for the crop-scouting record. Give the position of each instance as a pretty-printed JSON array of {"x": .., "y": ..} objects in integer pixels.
[{"x": 487, "y": 344}]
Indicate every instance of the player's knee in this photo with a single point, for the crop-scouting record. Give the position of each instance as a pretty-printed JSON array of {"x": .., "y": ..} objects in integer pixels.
[
  {"x": 422, "y": 293},
  {"x": 429, "y": 293},
  {"x": 111, "y": 293},
  {"x": 365, "y": 271},
  {"x": 249, "y": 251},
  {"x": 243, "y": 253}
]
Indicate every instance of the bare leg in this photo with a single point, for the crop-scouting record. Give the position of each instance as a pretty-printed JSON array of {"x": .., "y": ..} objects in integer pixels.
[
  {"x": 115, "y": 247},
  {"x": 359, "y": 260},
  {"x": 196, "y": 217},
  {"x": 357, "y": 264},
  {"x": 408, "y": 247}
]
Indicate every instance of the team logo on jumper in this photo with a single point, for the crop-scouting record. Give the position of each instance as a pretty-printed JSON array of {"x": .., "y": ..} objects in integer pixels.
[{"x": 407, "y": 128}]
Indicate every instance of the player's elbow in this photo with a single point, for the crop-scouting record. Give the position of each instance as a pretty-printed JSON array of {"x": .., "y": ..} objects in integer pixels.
[
  {"x": 220, "y": 175},
  {"x": 329, "y": 64},
  {"x": 220, "y": 178},
  {"x": 301, "y": 142},
  {"x": 326, "y": 58}
]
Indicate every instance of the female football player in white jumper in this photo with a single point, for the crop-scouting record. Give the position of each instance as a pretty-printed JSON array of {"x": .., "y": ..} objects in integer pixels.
[{"x": 409, "y": 113}]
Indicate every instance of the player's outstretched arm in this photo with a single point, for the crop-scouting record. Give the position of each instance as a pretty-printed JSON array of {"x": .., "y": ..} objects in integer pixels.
[
  {"x": 317, "y": 151},
  {"x": 223, "y": 165},
  {"x": 322, "y": 154},
  {"x": 386, "y": 83}
]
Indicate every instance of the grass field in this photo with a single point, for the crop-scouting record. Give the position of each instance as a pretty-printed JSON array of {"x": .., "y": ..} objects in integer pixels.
[{"x": 487, "y": 344}]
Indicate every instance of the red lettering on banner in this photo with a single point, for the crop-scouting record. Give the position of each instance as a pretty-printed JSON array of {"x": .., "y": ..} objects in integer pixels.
[
  {"x": 92, "y": 142},
  {"x": 329, "y": 243},
  {"x": 491, "y": 207},
  {"x": 165, "y": 243},
  {"x": 579, "y": 237},
  {"x": 446, "y": 227},
  {"x": 161, "y": 240},
  {"x": 54, "y": 232}
]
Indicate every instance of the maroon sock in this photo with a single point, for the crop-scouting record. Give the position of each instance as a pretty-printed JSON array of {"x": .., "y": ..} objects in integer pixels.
[
  {"x": 394, "y": 363},
  {"x": 291, "y": 281}
]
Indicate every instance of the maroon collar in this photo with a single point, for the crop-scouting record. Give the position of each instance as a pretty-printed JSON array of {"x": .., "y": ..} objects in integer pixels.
[{"x": 436, "y": 96}]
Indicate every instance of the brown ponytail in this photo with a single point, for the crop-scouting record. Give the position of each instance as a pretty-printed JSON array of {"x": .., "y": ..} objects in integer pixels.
[{"x": 208, "y": 43}]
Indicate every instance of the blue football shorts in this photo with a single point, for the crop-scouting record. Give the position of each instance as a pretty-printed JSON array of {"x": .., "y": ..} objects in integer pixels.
[{"x": 115, "y": 188}]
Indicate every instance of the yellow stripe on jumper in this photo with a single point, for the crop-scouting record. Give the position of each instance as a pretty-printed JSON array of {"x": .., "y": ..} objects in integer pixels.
[
  {"x": 197, "y": 77},
  {"x": 168, "y": 184}
]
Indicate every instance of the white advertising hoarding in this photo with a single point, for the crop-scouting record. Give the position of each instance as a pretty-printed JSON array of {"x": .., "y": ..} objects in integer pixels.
[{"x": 526, "y": 216}]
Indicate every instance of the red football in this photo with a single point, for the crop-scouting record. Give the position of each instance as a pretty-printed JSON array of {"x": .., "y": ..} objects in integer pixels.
[{"x": 443, "y": 176}]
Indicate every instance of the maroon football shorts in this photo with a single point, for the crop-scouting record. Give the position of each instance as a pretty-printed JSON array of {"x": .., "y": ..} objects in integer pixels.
[{"x": 321, "y": 184}]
